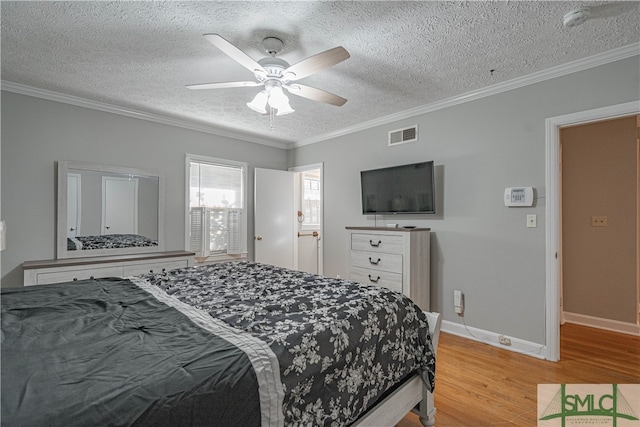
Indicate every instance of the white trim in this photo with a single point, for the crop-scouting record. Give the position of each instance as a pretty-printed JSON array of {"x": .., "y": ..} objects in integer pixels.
[
  {"x": 480, "y": 335},
  {"x": 600, "y": 323},
  {"x": 537, "y": 77},
  {"x": 552, "y": 211},
  {"x": 550, "y": 73}
]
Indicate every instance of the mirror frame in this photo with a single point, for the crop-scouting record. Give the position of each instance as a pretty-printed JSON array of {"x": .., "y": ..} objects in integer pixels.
[{"x": 61, "y": 232}]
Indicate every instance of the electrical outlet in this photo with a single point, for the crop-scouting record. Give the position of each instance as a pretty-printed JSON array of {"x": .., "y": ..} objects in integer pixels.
[
  {"x": 598, "y": 221},
  {"x": 504, "y": 340}
]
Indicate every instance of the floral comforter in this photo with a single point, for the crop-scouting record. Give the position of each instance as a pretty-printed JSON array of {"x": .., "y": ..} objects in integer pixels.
[
  {"x": 339, "y": 345},
  {"x": 109, "y": 241}
]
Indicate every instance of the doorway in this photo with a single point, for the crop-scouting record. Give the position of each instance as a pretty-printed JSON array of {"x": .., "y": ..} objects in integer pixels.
[
  {"x": 552, "y": 212},
  {"x": 599, "y": 217},
  {"x": 309, "y": 191},
  {"x": 288, "y": 207}
]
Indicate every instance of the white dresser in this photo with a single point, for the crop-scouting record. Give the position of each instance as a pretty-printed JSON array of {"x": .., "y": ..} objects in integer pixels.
[
  {"x": 70, "y": 269},
  {"x": 396, "y": 258}
]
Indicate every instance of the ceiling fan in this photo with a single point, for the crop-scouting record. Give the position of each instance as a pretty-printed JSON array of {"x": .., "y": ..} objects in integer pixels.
[{"x": 276, "y": 74}]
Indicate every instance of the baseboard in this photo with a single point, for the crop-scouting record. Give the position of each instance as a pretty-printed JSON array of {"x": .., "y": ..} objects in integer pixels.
[
  {"x": 600, "y": 323},
  {"x": 517, "y": 345}
]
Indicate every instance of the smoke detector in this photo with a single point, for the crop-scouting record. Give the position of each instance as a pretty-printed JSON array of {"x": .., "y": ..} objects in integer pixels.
[{"x": 577, "y": 16}]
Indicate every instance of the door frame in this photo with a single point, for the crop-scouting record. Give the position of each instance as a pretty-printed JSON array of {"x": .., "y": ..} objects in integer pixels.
[
  {"x": 303, "y": 168},
  {"x": 552, "y": 212}
]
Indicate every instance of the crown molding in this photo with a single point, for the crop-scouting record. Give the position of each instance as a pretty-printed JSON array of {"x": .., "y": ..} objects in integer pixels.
[
  {"x": 138, "y": 114},
  {"x": 529, "y": 79},
  {"x": 537, "y": 77}
]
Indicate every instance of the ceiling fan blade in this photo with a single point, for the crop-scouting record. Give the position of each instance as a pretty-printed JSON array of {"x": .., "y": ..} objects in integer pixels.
[
  {"x": 222, "y": 85},
  {"x": 316, "y": 63},
  {"x": 315, "y": 94},
  {"x": 236, "y": 54}
]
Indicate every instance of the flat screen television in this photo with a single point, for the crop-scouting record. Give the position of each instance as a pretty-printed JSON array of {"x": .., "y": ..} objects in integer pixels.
[{"x": 404, "y": 189}]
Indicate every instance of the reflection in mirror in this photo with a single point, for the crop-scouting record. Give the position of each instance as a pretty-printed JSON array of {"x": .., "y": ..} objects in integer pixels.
[{"x": 107, "y": 210}]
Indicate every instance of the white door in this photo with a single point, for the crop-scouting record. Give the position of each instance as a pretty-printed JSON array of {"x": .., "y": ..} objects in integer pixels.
[
  {"x": 119, "y": 205},
  {"x": 74, "y": 204},
  {"x": 275, "y": 218}
]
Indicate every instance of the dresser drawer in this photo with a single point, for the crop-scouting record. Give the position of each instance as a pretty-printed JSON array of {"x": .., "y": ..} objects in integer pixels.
[
  {"x": 154, "y": 267},
  {"x": 377, "y": 261},
  {"x": 377, "y": 243},
  {"x": 68, "y": 276},
  {"x": 366, "y": 276}
]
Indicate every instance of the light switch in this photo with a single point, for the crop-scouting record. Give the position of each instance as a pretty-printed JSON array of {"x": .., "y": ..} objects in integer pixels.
[{"x": 532, "y": 220}]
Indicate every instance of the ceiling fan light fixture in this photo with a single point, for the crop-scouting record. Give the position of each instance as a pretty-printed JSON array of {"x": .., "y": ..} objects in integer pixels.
[
  {"x": 259, "y": 102},
  {"x": 279, "y": 101},
  {"x": 285, "y": 110},
  {"x": 276, "y": 74}
]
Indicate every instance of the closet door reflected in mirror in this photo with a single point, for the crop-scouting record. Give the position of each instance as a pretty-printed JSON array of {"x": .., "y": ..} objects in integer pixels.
[{"x": 108, "y": 210}]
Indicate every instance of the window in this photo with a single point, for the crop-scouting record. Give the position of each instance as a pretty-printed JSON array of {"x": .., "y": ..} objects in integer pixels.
[
  {"x": 311, "y": 199},
  {"x": 216, "y": 220}
]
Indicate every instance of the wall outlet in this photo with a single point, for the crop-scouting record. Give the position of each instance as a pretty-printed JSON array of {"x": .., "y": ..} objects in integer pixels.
[
  {"x": 598, "y": 221},
  {"x": 504, "y": 340}
]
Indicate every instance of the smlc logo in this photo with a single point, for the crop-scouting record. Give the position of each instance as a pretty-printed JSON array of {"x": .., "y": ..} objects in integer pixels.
[{"x": 588, "y": 404}]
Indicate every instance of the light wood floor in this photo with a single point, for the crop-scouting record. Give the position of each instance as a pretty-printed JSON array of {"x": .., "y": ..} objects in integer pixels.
[{"x": 481, "y": 385}]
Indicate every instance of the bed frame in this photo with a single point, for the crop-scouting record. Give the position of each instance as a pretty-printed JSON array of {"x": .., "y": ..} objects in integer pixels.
[{"x": 412, "y": 396}]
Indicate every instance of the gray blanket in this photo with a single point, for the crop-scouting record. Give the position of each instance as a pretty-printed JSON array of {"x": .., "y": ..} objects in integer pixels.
[{"x": 105, "y": 352}]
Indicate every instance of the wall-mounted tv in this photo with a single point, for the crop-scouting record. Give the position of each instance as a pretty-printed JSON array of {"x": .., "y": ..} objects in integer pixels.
[{"x": 404, "y": 189}]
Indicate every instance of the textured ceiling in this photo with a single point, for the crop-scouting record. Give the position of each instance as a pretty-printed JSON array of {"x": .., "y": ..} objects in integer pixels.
[{"x": 140, "y": 55}]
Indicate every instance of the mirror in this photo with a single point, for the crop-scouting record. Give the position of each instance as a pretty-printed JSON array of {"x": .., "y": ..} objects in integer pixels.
[{"x": 108, "y": 210}]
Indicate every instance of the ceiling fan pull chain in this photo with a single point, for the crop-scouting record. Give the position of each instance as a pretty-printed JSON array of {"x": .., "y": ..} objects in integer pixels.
[{"x": 272, "y": 118}]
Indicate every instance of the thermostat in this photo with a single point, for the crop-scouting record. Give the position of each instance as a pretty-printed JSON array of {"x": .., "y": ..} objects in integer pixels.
[{"x": 518, "y": 196}]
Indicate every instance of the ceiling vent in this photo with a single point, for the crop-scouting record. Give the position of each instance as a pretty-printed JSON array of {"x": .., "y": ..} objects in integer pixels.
[{"x": 401, "y": 136}]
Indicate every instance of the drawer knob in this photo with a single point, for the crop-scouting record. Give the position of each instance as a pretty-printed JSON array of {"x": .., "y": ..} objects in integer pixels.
[
  {"x": 75, "y": 279},
  {"x": 375, "y": 245},
  {"x": 374, "y": 262},
  {"x": 374, "y": 280}
]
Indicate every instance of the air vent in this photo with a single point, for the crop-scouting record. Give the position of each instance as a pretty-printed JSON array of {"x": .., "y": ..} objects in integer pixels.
[{"x": 401, "y": 136}]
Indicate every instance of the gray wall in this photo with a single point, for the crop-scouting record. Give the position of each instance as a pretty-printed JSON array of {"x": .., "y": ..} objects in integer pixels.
[
  {"x": 480, "y": 147},
  {"x": 478, "y": 245},
  {"x": 36, "y": 133}
]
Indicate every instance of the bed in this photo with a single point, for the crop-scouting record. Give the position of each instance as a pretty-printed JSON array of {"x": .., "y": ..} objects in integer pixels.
[
  {"x": 109, "y": 241},
  {"x": 229, "y": 344}
]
